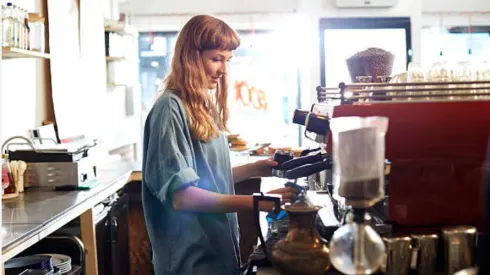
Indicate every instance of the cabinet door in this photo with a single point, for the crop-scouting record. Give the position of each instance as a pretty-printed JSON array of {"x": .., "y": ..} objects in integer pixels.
[
  {"x": 103, "y": 246},
  {"x": 120, "y": 236}
]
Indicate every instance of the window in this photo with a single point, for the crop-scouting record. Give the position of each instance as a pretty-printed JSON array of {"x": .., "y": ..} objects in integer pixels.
[
  {"x": 341, "y": 38},
  {"x": 454, "y": 44},
  {"x": 263, "y": 87},
  {"x": 155, "y": 53}
]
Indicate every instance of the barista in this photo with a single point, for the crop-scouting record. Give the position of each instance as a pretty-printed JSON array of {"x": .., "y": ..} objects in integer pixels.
[{"x": 188, "y": 193}]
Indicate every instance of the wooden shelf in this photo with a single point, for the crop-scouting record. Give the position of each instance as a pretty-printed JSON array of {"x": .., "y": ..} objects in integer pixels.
[
  {"x": 129, "y": 84},
  {"x": 121, "y": 28},
  {"x": 11, "y": 53},
  {"x": 115, "y": 58},
  {"x": 114, "y": 85}
]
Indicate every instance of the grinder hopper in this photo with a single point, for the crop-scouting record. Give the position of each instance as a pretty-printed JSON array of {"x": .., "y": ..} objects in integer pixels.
[{"x": 373, "y": 63}]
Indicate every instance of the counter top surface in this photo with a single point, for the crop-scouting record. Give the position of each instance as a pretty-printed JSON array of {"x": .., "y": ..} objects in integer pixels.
[
  {"x": 15, "y": 231},
  {"x": 41, "y": 212},
  {"x": 37, "y": 213}
]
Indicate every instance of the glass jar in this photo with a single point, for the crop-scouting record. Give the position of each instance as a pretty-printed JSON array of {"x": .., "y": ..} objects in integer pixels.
[
  {"x": 359, "y": 154},
  {"x": 36, "y": 35},
  {"x": 8, "y": 26},
  {"x": 5, "y": 173}
]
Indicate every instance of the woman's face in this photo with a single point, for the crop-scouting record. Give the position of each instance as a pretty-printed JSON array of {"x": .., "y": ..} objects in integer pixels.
[{"x": 215, "y": 62}]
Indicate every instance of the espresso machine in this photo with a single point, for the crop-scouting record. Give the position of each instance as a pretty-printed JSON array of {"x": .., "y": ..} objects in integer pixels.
[
  {"x": 436, "y": 146},
  {"x": 436, "y": 143}
]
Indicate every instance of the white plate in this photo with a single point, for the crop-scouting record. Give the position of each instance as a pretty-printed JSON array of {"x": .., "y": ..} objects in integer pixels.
[
  {"x": 63, "y": 266},
  {"x": 59, "y": 259},
  {"x": 65, "y": 270}
]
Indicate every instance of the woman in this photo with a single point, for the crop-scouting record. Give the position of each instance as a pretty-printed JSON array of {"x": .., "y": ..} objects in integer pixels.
[{"x": 188, "y": 194}]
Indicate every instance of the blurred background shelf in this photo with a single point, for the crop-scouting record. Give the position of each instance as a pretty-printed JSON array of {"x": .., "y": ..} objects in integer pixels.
[
  {"x": 121, "y": 28},
  {"x": 115, "y": 58},
  {"x": 11, "y": 53}
]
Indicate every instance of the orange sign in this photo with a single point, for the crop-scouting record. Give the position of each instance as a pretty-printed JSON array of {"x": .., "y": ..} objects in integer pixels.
[{"x": 250, "y": 96}]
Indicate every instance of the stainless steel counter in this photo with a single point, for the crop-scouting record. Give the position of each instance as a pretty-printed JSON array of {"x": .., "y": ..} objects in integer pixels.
[{"x": 35, "y": 214}]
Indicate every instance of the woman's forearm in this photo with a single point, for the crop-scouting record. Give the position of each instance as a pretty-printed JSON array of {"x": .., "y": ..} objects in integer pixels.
[
  {"x": 200, "y": 200},
  {"x": 241, "y": 173}
]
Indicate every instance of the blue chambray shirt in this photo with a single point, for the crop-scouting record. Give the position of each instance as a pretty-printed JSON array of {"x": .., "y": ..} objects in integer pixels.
[{"x": 184, "y": 242}]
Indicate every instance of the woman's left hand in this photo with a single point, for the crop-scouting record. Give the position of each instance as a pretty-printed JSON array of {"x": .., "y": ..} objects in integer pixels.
[{"x": 262, "y": 168}]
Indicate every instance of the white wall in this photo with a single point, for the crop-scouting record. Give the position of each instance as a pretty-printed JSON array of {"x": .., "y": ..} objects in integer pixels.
[
  {"x": 170, "y": 15},
  {"x": 456, "y": 12},
  {"x": 455, "y": 6},
  {"x": 211, "y": 6},
  {"x": 22, "y": 100}
]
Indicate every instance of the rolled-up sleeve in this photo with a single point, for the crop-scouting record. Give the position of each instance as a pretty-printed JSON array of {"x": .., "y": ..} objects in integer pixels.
[{"x": 169, "y": 159}]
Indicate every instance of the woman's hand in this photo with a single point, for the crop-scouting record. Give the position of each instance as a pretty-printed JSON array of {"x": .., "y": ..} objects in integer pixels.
[
  {"x": 288, "y": 194},
  {"x": 262, "y": 168}
]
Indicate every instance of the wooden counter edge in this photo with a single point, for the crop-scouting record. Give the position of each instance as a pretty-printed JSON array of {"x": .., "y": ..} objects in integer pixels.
[{"x": 136, "y": 176}]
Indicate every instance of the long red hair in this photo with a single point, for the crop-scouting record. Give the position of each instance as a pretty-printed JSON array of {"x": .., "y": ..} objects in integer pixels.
[{"x": 207, "y": 114}]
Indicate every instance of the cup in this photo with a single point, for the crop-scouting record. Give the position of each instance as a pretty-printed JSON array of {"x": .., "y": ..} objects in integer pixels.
[
  {"x": 398, "y": 255},
  {"x": 459, "y": 247},
  {"x": 424, "y": 256}
]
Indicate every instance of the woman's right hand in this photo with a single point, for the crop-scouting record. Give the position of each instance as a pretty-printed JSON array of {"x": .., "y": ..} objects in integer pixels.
[{"x": 288, "y": 194}]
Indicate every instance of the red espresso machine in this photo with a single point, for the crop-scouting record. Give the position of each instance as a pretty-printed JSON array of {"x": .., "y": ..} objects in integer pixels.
[
  {"x": 435, "y": 150},
  {"x": 436, "y": 142}
]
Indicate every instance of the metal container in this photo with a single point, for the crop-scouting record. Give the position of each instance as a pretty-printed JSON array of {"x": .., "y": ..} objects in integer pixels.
[
  {"x": 398, "y": 255},
  {"x": 459, "y": 247},
  {"x": 320, "y": 181},
  {"x": 468, "y": 271},
  {"x": 424, "y": 256},
  {"x": 279, "y": 226},
  {"x": 302, "y": 250}
]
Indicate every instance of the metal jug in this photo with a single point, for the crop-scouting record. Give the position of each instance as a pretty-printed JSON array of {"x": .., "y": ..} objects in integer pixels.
[{"x": 302, "y": 251}]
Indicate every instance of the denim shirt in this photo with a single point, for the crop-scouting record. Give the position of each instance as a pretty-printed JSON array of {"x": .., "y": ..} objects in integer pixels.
[{"x": 186, "y": 242}]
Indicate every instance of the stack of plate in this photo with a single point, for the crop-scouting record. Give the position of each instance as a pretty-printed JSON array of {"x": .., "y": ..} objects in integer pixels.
[{"x": 61, "y": 262}]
